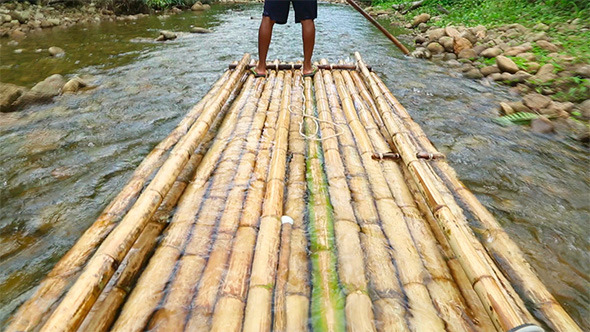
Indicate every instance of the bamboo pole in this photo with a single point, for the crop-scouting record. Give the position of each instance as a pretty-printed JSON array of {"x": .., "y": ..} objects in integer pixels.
[
  {"x": 103, "y": 313},
  {"x": 502, "y": 248},
  {"x": 384, "y": 289},
  {"x": 500, "y": 308},
  {"x": 447, "y": 298},
  {"x": 297, "y": 288},
  {"x": 351, "y": 267},
  {"x": 229, "y": 310},
  {"x": 279, "y": 300},
  {"x": 258, "y": 306},
  {"x": 206, "y": 291},
  {"x": 327, "y": 302},
  {"x": 297, "y": 66},
  {"x": 412, "y": 272},
  {"x": 34, "y": 310},
  {"x": 396, "y": 42},
  {"x": 150, "y": 287}
]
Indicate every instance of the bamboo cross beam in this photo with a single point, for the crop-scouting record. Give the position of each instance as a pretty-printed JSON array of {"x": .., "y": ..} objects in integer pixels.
[
  {"x": 295, "y": 66},
  {"x": 394, "y": 156}
]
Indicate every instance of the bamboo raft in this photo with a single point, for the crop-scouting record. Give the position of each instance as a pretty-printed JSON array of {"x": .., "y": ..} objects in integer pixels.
[{"x": 288, "y": 204}]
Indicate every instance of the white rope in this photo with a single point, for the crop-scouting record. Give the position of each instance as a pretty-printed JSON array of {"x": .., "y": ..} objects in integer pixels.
[{"x": 315, "y": 136}]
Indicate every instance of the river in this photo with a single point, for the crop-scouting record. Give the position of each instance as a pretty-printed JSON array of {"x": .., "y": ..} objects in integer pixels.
[{"x": 62, "y": 162}]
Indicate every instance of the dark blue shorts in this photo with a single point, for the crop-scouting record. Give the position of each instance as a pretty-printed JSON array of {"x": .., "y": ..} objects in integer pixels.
[{"x": 278, "y": 10}]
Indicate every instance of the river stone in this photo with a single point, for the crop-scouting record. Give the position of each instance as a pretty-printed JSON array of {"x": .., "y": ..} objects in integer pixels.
[
  {"x": 450, "y": 56},
  {"x": 583, "y": 71},
  {"x": 527, "y": 56},
  {"x": 519, "y": 106},
  {"x": 469, "y": 36},
  {"x": 452, "y": 32},
  {"x": 435, "y": 34},
  {"x": 536, "y": 101},
  {"x": 473, "y": 73},
  {"x": 460, "y": 44},
  {"x": 435, "y": 48},
  {"x": 54, "y": 21},
  {"x": 584, "y": 109},
  {"x": 56, "y": 51},
  {"x": 51, "y": 86},
  {"x": 166, "y": 35},
  {"x": 478, "y": 49},
  {"x": 545, "y": 74},
  {"x": 422, "y": 18},
  {"x": 422, "y": 27},
  {"x": 491, "y": 52},
  {"x": 542, "y": 125},
  {"x": 468, "y": 53},
  {"x": 200, "y": 30},
  {"x": 447, "y": 43},
  {"x": 488, "y": 70},
  {"x": 198, "y": 6},
  {"x": 17, "y": 34},
  {"x": 547, "y": 46},
  {"x": 541, "y": 27},
  {"x": 421, "y": 53},
  {"x": 506, "y": 65},
  {"x": 496, "y": 77},
  {"x": 9, "y": 93},
  {"x": 73, "y": 85},
  {"x": 506, "y": 109}
]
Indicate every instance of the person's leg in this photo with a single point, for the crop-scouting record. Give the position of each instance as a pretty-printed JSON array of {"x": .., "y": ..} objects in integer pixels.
[
  {"x": 308, "y": 33},
  {"x": 264, "y": 37}
]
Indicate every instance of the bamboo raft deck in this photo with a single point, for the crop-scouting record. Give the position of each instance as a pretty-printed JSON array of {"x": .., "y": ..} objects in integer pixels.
[{"x": 288, "y": 204}]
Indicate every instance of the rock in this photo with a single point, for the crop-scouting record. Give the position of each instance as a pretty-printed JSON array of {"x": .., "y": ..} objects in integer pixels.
[
  {"x": 452, "y": 32},
  {"x": 18, "y": 51},
  {"x": 527, "y": 56},
  {"x": 54, "y": 21},
  {"x": 450, "y": 56},
  {"x": 198, "y": 6},
  {"x": 544, "y": 74},
  {"x": 491, "y": 52},
  {"x": 478, "y": 49},
  {"x": 468, "y": 53},
  {"x": 56, "y": 51},
  {"x": 422, "y": 18},
  {"x": 206, "y": 6},
  {"x": 473, "y": 73},
  {"x": 541, "y": 27},
  {"x": 583, "y": 71},
  {"x": 200, "y": 30},
  {"x": 533, "y": 67},
  {"x": 73, "y": 85},
  {"x": 486, "y": 71},
  {"x": 542, "y": 125},
  {"x": 9, "y": 93},
  {"x": 519, "y": 106},
  {"x": 419, "y": 40},
  {"x": 506, "y": 65},
  {"x": 435, "y": 34},
  {"x": 537, "y": 36},
  {"x": 453, "y": 63},
  {"x": 536, "y": 101},
  {"x": 422, "y": 27},
  {"x": 51, "y": 86},
  {"x": 17, "y": 34},
  {"x": 421, "y": 53},
  {"x": 567, "y": 106},
  {"x": 435, "y": 48},
  {"x": 547, "y": 46},
  {"x": 584, "y": 109},
  {"x": 166, "y": 35},
  {"x": 460, "y": 44},
  {"x": 469, "y": 36},
  {"x": 496, "y": 77},
  {"x": 447, "y": 42},
  {"x": 506, "y": 109},
  {"x": 520, "y": 77}
]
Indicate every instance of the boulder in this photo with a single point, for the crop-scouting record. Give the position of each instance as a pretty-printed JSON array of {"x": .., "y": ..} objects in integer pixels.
[
  {"x": 54, "y": 21},
  {"x": 547, "y": 46},
  {"x": 467, "y": 53},
  {"x": 198, "y": 6},
  {"x": 435, "y": 34},
  {"x": 583, "y": 71},
  {"x": 166, "y": 35},
  {"x": 435, "y": 48},
  {"x": 506, "y": 65},
  {"x": 495, "y": 77},
  {"x": 17, "y": 34},
  {"x": 519, "y": 106},
  {"x": 419, "y": 39},
  {"x": 527, "y": 56},
  {"x": 537, "y": 36},
  {"x": 460, "y": 44},
  {"x": 9, "y": 93},
  {"x": 506, "y": 109},
  {"x": 486, "y": 71},
  {"x": 200, "y": 30},
  {"x": 421, "y": 53},
  {"x": 50, "y": 87},
  {"x": 545, "y": 74},
  {"x": 542, "y": 125},
  {"x": 452, "y": 32},
  {"x": 491, "y": 52},
  {"x": 473, "y": 73},
  {"x": 56, "y": 51},
  {"x": 469, "y": 36},
  {"x": 447, "y": 42},
  {"x": 422, "y": 27},
  {"x": 533, "y": 67},
  {"x": 536, "y": 101},
  {"x": 422, "y": 18},
  {"x": 73, "y": 85},
  {"x": 584, "y": 109},
  {"x": 541, "y": 27}
]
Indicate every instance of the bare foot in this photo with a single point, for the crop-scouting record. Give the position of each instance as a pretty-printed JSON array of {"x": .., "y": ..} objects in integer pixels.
[{"x": 260, "y": 71}]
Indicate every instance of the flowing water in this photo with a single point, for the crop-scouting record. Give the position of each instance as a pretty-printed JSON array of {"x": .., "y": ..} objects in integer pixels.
[{"x": 61, "y": 163}]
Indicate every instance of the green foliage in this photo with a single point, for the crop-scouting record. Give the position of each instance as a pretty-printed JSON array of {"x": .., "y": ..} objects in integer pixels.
[
  {"x": 519, "y": 118},
  {"x": 163, "y": 4}
]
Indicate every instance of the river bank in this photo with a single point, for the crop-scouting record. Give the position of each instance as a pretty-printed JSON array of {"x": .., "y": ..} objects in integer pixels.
[{"x": 550, "y": 76}]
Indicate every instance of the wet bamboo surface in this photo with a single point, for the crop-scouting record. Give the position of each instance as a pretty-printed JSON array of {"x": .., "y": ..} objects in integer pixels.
[{"x": 266, "y": 209}]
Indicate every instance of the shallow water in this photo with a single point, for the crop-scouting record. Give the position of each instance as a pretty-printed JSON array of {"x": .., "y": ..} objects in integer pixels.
[{"x": 61, "y": 163}]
